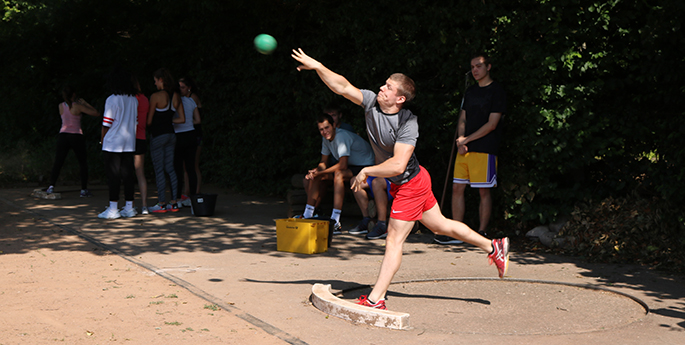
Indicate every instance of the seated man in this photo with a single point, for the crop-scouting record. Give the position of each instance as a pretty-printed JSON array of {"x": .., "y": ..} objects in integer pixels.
[
  {"x": 379, "y": 190},
  {"x": 333, "y": 109},
  {"x": 352, "y": 153}
]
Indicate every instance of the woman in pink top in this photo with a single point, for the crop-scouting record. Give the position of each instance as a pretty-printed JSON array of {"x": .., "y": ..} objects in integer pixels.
[
  {"x": 141, "y": 145},
  {"x": 71, "y": 137}
]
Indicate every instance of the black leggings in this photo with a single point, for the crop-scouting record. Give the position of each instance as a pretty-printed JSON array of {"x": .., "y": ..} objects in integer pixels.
[
  {"x": 119, "y": 166},
  {"x": 65, "y": 142},
  {"x": 186, "y": 149}
]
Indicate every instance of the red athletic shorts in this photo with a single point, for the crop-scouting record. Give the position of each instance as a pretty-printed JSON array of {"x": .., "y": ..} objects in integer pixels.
[{"x": 413, "y": 198}]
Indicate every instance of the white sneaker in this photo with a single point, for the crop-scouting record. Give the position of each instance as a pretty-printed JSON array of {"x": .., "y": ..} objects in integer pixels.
[
  {"x": 128, "y": 214},
  {"x": 186, "y": 202},
  {"x": 143, "y": 210},
  {"x": 110, "y": 214}
]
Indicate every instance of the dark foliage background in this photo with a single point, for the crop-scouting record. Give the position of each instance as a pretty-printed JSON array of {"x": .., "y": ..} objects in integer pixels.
[{"x": 594, "y": 87}]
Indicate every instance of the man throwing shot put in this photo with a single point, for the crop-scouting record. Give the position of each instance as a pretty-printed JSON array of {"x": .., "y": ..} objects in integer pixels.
[{"x": 393, "y": 132}]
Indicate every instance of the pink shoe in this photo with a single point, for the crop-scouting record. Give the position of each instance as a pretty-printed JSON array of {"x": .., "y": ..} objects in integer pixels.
[
  {"x": 500, "y": 255},
  {"x": 364, "y": 300}
]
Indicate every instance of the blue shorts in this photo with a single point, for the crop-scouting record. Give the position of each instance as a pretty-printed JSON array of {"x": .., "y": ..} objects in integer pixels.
[{"x": 387, "y": 187}]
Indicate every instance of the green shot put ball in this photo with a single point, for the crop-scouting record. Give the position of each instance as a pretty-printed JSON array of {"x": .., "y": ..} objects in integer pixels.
[{"x": 265, "y": 44}]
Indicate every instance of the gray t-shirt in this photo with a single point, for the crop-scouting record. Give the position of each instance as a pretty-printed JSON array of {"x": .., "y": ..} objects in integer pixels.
[
  {"x": 348, "y": 144},
  {"x": 385, "y": 130}
]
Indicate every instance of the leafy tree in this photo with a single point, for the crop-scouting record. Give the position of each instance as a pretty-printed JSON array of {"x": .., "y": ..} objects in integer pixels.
[{"x": 595, "y": 104}]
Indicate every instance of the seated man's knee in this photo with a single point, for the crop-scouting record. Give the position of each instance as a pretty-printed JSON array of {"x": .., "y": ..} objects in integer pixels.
[
  {"x": 379, "y": 186},
  {"x": 339, "y": 176}
]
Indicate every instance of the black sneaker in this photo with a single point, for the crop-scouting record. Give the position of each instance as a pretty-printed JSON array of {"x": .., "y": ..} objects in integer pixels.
[
  {"x": 442, "y": 239},
  {"x": 86, "y": 193},
  {"x": 337, "y": 228},
  {"x": 379, "y": 231},
  {"x": 362, "y": 227}
]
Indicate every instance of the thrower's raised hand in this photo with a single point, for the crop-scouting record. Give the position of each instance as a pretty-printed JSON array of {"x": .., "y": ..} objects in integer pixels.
[{"x": 307, "y": 62}]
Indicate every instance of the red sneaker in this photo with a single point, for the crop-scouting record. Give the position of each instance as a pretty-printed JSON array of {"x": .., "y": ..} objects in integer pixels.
[
  {"x": 363, "y": 300},
  {"x": 500, "y": 255}
]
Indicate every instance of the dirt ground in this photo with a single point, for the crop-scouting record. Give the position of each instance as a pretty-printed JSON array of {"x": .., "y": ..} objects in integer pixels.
[
  {"x": 97, "y": 297},
  {"x": 68, "y": 277}
]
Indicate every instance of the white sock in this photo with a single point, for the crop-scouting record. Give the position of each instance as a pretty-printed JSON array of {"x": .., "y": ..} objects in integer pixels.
[
  {"x": 113, "y": 205},
  {"x": 129, "y": 205},
  {"x": 308, "y": 211},
  {"x": 336, "y": 215}
]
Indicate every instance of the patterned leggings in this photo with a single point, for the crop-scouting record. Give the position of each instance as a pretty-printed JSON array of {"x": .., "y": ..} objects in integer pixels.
[{"x": 162, "y": 153}]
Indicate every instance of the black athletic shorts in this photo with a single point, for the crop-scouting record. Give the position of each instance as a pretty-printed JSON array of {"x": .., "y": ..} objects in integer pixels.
[
  {"x": 141, "y": 146},
  {"x": 356, "y": 168}
]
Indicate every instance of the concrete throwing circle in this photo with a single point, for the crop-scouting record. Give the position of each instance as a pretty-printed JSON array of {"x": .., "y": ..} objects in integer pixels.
[{"x": 509, "y": 306}]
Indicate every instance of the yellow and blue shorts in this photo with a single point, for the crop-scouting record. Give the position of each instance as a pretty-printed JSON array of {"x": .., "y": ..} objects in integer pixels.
[{"x": 477, "y": 169}]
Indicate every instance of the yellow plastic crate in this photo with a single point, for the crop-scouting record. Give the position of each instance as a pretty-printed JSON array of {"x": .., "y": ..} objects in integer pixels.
[{"x": 305, "y": 236}]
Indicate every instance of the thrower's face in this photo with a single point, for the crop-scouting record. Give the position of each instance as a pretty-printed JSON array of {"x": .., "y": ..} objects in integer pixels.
[
  {"x": 388, "y": 96},
  {"x": 327, "y": 130},
  {"x": 479, "y": 69}
]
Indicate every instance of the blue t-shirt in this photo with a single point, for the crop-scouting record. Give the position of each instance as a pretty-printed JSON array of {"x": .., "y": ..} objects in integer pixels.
[{"x": 348, "y": 144}]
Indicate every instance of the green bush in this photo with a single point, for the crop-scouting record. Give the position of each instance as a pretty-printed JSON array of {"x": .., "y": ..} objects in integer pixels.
[{"x": 595, "y": 101}]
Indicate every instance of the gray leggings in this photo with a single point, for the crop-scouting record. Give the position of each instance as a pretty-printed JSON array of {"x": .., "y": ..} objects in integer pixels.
[{"x": 162, "y": 153}]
